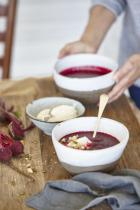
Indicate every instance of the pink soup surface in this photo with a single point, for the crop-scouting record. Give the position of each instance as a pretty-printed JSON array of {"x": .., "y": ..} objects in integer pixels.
[
  {"x": 85, "y": 71},
  {"x": 101, "y": 141}
]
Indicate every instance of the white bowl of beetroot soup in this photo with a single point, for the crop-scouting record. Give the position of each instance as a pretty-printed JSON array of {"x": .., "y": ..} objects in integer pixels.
[
  {"x": 85, "y": 76},
  {"x": 99, "y": 154}
]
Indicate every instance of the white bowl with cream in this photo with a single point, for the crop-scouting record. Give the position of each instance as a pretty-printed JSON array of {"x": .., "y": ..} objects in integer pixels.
[
  {"x": 85, "y": 89},
  {"x": 35, "y": 107},
  {"x": 78, "y": 161}
]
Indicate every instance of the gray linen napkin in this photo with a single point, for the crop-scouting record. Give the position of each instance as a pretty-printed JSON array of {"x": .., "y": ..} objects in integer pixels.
[{"x": 121, "y": 190}]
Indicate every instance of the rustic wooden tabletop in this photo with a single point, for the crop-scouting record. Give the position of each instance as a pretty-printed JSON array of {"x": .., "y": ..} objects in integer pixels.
[{"x": 38, "y": 148}]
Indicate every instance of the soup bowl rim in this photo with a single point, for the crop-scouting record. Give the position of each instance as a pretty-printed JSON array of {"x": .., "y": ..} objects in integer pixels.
[{"x": 120, "y": 144}]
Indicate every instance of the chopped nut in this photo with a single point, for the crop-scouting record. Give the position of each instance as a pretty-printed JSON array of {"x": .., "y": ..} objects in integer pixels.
[
  {"x": 22, "y": 194},
  {"x": 82, "y": 147},
  {"x": 28, "y": 156},
  {"x": 73, "y": 144},
  {"x": 74, "y": 137},
  {"x": 29, "y": 170},
  {"x": 63, "y": 140},
  {"x": 34, "y": 142},
  {"x": 22, "y": 141}
]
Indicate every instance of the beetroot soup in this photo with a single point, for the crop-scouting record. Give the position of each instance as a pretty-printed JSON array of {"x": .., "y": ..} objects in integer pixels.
[
  {"x": 84, "y": 140},
  {"x": 85, "y": 71}
]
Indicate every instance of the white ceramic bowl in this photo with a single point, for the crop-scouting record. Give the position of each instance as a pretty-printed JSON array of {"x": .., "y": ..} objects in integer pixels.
[
  {"x": 84, "y": 89},
  {"x": 36, "y": 106},
  {"x": 78, "y": 161}
]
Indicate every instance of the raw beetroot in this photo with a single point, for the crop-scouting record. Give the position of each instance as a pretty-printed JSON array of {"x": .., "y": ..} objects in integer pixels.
[
  {"x": 5, "y": 141},
  {"x": 17, "y": 131},
  {"x": 16, "y": 127},
  {"x": 17, "y": 148},
  {"x": 9, "y": 147}
]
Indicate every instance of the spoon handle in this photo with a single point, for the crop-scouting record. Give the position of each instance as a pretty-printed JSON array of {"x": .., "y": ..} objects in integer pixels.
[{"x": 102, "y": 104}]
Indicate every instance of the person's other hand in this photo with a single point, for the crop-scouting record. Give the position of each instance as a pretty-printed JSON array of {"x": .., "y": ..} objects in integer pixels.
[
  {"x": 76, "y": 47},
  {"x": 125, "y": 77}
]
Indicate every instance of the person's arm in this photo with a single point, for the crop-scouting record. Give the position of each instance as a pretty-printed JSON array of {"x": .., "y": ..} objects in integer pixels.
[
  {"x": 125, "y": 77},
  {"x": 102, "y": 15},
  {"x": 100, "y": 20}
]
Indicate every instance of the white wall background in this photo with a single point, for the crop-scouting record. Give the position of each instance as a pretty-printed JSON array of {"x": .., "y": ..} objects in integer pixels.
[{"x": 44, "y": 26}]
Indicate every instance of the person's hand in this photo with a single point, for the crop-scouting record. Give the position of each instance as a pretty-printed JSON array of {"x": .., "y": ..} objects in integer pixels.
[
  {"x": 125, "y": 77},
  {"x": 76, "y": 47}
]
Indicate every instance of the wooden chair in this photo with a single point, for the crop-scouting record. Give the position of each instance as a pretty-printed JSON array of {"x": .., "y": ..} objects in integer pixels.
[{"x": 7, "y": 11}]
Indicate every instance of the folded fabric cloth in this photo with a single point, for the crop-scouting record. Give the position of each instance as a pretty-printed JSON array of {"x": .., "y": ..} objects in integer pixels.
[{"x": 121, "y": 191}]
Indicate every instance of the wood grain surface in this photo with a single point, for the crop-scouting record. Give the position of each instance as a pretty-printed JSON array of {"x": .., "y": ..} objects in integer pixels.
[{"x": 15, "y": 188}]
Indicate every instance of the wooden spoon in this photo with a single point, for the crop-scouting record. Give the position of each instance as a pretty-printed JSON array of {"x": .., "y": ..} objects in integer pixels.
[{"x": 102, "y": 104}]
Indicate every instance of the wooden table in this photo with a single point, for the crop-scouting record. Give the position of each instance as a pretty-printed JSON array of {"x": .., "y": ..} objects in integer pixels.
[{"x": 15, "y": 188}]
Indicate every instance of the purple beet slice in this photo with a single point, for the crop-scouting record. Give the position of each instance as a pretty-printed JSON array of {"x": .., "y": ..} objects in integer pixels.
[
  {"x": 17, "y": 131},
  {"x": 5, "y": 141},
  {"x": 17, "y": 148}
]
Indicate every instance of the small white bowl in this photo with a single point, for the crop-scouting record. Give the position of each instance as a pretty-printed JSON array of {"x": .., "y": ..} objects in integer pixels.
[
  {"x": 85, "y": 89},
  {"x": 78, "y": 161},
  {"x": 36, "y": 106}
]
